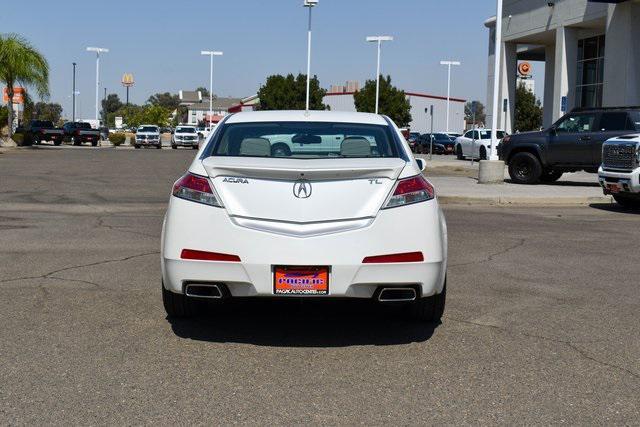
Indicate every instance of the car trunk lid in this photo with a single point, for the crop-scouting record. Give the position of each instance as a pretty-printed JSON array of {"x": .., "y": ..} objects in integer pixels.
[{"x": 303, "y": 190}]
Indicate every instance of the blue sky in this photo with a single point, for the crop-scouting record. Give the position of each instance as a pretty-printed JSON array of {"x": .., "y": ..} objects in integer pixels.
[{"x": 160, "y": 42}]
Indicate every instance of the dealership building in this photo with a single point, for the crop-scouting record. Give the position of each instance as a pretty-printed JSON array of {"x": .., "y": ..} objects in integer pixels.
[{"x": 590, "y": 50}]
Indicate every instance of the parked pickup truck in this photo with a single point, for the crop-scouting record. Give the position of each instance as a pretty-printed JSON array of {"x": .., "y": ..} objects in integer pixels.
[
  {"x": 619, "y": 174},
  {"x": 79, "y": 132},
  {"x": 37, "y": 131},
  {"x": 148, "y": 135},
  {"x": 571, "y": 144}
]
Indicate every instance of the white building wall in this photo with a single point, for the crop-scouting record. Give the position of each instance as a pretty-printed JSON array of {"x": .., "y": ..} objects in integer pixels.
[{"x": 421, "y": 121}]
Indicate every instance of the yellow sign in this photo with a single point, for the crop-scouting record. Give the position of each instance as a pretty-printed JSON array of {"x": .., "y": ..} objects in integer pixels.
[{"x": 127, "y": 80}]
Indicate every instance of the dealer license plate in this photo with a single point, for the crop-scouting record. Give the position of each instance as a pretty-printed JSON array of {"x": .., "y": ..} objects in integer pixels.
[
  {"x": 288, "y": 280},
  {"x": 613, "y": 188}
]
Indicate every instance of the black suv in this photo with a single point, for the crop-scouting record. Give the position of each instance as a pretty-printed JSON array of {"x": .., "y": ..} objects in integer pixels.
[{"x": 571, "y": 144}]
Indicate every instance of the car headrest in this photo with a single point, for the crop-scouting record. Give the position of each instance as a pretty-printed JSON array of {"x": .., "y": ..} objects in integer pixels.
[
  {"x": 260, "y": 147},
  {"x": 355, "y": 147}
]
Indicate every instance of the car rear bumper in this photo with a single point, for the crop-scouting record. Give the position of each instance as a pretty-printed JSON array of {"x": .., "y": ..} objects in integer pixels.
[{"x": 420, "y": 227}]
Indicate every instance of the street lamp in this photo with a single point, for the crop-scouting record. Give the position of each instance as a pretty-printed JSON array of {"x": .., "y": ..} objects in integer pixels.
[
  {"x": 73, "y": 95},
  {"x": 211, "y": 54},
  {"x": 309, "y": 4},
  {"x": 449, "y": 64},
  {"x": 379, "y": 40},
  {"x": 493, "y": 155},
  {"x": 98, "y": 51}
]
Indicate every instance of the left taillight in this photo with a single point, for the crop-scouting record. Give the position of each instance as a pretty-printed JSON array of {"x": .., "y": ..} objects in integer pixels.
[
  {"x": 197, "y": 189},
  {"x": 410, "y": 190}
]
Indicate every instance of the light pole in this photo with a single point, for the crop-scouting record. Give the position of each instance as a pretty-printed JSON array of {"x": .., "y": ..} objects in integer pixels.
[
  {"x": 98, "y": 51},
  {"x": 496, "y": 81},
  {"x": 449, "y": 64},
  {"x": 492, "y": 170},
  {"x": 73, "y": 95},
  {"x": 211, "y": 54},
  {"x": 310, "y": 4},
  {"x": 379, "y": 40}
]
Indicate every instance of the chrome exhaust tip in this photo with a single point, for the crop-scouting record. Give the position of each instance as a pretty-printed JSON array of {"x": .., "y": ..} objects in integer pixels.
[
  {"x": 397, "y": 295},
  {"x": 203, "y": 290}
]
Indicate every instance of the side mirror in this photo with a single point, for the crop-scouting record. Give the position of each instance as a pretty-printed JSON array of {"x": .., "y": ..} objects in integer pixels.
[{"x": 422, "y": 164}]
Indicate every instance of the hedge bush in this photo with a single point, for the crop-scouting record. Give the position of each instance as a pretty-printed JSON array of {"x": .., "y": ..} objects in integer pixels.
[{"x": 117, "y": 138}]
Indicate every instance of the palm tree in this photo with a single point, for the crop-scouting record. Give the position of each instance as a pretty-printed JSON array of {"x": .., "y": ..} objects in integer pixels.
[{"x": 22, "y": 64}]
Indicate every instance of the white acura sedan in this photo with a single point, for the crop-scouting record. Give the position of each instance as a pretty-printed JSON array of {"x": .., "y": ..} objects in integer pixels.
[{"x": 323, "y": 204}]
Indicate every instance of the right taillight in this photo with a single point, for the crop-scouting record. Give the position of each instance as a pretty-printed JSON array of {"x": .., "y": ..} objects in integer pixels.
[
  {"x": 197, "y": 189},
  {"x": 410, "y": 190}
]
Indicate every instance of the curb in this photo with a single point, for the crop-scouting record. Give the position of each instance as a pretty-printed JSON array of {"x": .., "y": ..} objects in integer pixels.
[{"x": 523, "y": 201}]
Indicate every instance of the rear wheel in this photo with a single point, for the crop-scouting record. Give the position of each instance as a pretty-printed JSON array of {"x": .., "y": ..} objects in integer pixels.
[
  {"x": 176, "y": 305},
  {"x": 136, "y": 146},
  {"x": 430, "y": 309},
  {"x": 550, "y": 176},
  {"x": 483, "y": 153},
  {"x": 195, "y": 147},
  {"x": 459, "y": 152},
  {"x": 57, "y": 142},
  {"x": 94, "y": 143},
  {"x": 627, "y": 201},
  {"x": 159, "y": 146},
  {"x": 525, "y": 168}
]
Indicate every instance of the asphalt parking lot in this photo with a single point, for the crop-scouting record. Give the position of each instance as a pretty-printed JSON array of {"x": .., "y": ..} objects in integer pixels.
[{"x": 541, "y": 324}]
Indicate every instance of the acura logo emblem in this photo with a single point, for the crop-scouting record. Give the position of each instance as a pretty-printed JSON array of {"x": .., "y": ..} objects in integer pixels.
[{"x": 302, "y": 189}]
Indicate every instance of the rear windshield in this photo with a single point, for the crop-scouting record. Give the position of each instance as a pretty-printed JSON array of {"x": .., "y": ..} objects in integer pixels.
[
  {"x": 84, "y": 125},
  {"x": 148, "y": 129},
  {"x": 304, "y": 140},
  {"x": 185, "y": 130},
  {"x": 442, "y": 137}
]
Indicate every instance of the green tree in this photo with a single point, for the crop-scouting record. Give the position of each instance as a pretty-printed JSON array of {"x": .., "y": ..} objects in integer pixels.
[
  {"x": 47, "y": 111},
  {"x": 528, "y": 110},
  {"x": 289, "y": 93},
  {"x": 480, "y": 115},
  {"x": 21, "y": 64},
  {"x": 111, "y": 104},
  {"x": 165, "y": 100},
  {"x": 134, "y": 115},
  {"x": 393, "y": 102}
]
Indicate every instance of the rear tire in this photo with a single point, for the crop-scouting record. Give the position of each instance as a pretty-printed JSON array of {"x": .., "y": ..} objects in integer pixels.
[
  {"x": 56, "y": 143},
  {"x": 430, "y": 309},
  {"x": 550, "y": 176},
  {"x": 159, "y": 146},
  {"x": 94, "y": 143},
  {"x": 195, "y": 147},
  {"x": 525, "y": 168},
  {"x": 627, "y": 201},
  {"x": 459, "y": 152},
  {"x": 176, "y": 305},
  {"x": 483, "y": 153},
  {"x": 136, "y": 146},
  {"x": 174, "y": 146}
]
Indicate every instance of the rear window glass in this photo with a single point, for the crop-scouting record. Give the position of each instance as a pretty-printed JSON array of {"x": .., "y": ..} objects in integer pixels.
[{"x": 304, "y": 140}]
